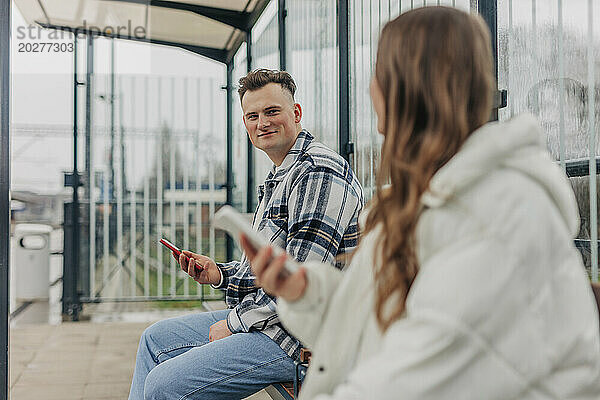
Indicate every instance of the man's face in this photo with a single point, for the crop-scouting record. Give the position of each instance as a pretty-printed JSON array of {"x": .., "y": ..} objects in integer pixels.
[{"x": 272, "y": 120}]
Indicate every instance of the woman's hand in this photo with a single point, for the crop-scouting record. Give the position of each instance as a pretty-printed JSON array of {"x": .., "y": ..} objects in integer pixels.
[
  {"x": 201, "y": 268},
  {"x": 270, "y": 274}
]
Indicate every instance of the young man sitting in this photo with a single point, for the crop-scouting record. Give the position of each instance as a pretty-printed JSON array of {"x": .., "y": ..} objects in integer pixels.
[{"x": 308, "y": 204}]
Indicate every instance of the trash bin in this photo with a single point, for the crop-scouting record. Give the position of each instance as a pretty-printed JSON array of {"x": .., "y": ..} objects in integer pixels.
[{"x": 32, "y": 261}]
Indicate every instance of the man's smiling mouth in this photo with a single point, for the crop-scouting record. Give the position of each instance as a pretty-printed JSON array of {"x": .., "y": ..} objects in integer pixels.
[{"x": 266, "y": 133}]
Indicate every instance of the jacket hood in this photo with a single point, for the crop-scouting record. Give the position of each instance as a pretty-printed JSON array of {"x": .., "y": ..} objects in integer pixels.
[{"x": 517, "y": 144}]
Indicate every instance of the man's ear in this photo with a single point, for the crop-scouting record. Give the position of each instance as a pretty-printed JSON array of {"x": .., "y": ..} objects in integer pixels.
[{"x": 297, "y": 113}]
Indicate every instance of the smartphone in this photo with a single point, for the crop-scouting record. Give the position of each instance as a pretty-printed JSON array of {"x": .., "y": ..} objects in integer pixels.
[
  {"x": 176, "y": 251},
  {"x": 234, "y": 223},
  {"x": 171, "y": 247}
]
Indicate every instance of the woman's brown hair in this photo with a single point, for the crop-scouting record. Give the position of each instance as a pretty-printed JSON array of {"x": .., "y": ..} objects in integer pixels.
[{"x": 435, "y": 71}]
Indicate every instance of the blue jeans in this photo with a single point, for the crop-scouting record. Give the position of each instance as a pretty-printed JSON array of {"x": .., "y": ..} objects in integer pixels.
[{"x": 175, "y": 360}]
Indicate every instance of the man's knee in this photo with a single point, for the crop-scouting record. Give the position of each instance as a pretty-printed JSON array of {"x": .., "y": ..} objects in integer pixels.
[
  {"x": 161, "y": 383},
  {"x": 154, "y": 332},
  {"x": 150, "y": 340},
  {"x": 151, "y": 330}
]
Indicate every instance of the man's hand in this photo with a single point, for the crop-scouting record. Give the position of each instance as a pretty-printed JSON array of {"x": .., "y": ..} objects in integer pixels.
[
  {"x": 219, "y": 330},
  {"x": 201, "y": 268}
]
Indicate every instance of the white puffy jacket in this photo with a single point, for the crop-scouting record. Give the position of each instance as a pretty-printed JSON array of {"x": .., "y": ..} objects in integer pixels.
[{"x": 501, "y": 308}]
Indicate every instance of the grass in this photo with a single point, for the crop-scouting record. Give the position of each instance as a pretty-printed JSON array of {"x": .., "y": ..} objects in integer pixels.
[{"x": 179, "y": 304}]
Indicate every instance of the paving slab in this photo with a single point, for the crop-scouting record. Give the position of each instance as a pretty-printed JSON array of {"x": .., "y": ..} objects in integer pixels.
[
  {"x": 48, "y": 391},
  {"x": 76, "y": 360}
]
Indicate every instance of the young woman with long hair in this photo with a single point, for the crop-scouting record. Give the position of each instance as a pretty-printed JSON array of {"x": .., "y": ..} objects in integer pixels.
[{"x": 466, "y": 283}]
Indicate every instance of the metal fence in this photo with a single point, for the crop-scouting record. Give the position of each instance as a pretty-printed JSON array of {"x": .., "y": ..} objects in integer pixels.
[{"x": 156, "y": 169}]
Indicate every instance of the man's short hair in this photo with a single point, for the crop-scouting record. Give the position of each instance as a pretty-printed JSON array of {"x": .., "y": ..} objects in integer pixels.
[{"x": 261, "y": 77}]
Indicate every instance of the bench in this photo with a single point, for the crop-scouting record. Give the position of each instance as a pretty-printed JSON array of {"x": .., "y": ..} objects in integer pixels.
[{"x": 289, "y": 390}]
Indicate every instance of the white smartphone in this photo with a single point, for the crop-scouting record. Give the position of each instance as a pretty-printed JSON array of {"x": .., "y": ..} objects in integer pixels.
[{"x": 234, "y": 223}]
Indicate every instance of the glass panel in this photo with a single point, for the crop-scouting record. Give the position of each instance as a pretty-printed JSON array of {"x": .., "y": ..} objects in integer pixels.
[
  {"x": 265, "y": 39},
  {"x": 367, "y": 18},
  {"x": 158, "y": 168},
  {"x": 547, "y": 55},
  {"x": 157, "y": 142},
  {"x": 549, "y": 83},
  {"x": 312, "y": 60}
]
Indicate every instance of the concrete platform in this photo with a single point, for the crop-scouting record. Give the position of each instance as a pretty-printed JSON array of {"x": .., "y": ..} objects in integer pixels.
[{"x": 75, "y": 360}]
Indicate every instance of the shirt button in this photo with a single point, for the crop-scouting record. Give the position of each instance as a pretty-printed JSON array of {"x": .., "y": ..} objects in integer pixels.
[
  {"x": 321, "y": 369},
  {"x": 271, "y": 185}
]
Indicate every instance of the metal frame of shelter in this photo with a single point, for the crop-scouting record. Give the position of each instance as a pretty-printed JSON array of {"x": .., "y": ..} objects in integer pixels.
[{"x": 243, "y": 21}]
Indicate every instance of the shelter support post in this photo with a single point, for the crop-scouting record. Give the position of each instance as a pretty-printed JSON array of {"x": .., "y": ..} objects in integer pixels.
[
  {"x": 345, "y": 146},
  {"x": 5, "y": 26}
]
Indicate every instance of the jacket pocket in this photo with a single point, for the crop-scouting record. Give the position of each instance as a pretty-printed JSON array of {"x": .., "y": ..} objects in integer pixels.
[{"x": 278, "y": 212}]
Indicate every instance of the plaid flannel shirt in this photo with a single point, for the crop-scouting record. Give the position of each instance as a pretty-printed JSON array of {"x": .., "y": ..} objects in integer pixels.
[{"x": 311, "y": 206}]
